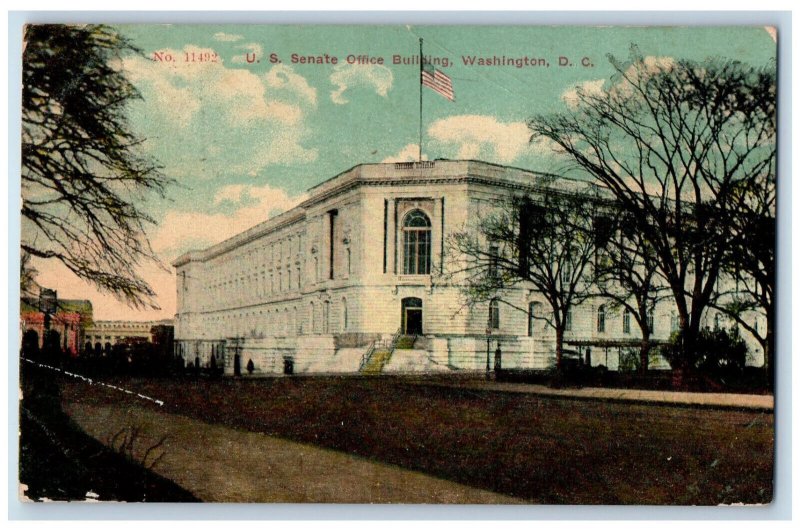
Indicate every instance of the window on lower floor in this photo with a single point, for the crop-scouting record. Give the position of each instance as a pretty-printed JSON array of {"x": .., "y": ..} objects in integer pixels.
[
  {"x": 601, "y": 318},
  {"x": 534, "y": 316},
  {"x": 494, "y": 314}
]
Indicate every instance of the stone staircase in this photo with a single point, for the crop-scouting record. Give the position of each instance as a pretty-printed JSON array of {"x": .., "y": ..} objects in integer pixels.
[
  {"x": 376, "y": 362},
  {"x": 378, "y": 355},
  {"x": 405, "y": 342}
]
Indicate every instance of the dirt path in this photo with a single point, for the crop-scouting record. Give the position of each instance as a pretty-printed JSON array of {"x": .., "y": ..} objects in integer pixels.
[
  {"x": 219, "y": 464},
  {"x": 671, "y": 398}
]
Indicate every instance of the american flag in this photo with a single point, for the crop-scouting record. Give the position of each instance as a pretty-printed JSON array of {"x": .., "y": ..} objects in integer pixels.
[{"x": 437, "y": 80}]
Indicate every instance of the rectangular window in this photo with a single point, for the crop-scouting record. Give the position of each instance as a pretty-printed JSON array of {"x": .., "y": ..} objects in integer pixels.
[
  {"x": 601, "y": 319},
  {"x": 566, "y": 273},
  {"x": 416, "y": 252},
  {"x": 385, "y": 230},
  {"x": 568, "y": 321},
  {"x": 494, "y": 314},
  {"x": 626, "y": 322},
  {"x": 332, "y": 237},
  {"x": 493, "y": 260}
]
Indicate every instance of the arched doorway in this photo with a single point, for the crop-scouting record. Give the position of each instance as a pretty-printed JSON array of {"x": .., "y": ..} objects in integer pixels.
[{"x": 411, "y": 316}]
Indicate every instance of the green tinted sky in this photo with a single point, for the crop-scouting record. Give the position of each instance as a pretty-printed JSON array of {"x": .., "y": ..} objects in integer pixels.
[
  {"x": 244, "y": 141},
  {"x": 371, "y": 127}
]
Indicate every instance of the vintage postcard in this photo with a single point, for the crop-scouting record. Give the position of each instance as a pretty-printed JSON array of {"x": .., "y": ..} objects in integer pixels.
[{"x": 398, "y": 264}]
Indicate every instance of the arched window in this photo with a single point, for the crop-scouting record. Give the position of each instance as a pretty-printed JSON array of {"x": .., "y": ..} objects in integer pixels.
[
  {"x": 626, "y": 321},
  {"x": 601, "y": 318},
  {"x": 568, "y": 321},
  {"x": 416, "y": 243},
  {"x": 534, "y": 315},
  {"x": 651, "y": 323}
]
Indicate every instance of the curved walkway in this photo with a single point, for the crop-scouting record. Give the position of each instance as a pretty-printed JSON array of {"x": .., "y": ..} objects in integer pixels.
[{"x": 219, "y": 464}]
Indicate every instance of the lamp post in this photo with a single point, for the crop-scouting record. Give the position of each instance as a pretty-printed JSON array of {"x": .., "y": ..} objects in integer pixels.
[
  {"x": 488, "y": 340},
  {"x": 488, "y": 350}
]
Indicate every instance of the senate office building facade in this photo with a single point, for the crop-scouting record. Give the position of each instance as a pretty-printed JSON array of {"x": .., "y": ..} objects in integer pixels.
[{"x": 353, "y": 279}]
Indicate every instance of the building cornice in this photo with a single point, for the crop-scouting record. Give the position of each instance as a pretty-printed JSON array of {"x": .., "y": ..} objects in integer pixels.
[{"x": 402, "y": 174}]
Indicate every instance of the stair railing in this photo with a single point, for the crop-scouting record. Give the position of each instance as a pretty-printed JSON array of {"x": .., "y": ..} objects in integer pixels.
[
  {"x": 378, "y": 343},
  {"x": 393, "y": 344},
  {"x": 367, "y": 355}
]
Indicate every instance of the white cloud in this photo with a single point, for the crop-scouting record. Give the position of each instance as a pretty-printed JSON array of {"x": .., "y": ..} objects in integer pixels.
[
  {"x": 409, "y": 153},
  {"x": 227, "y": 37},
  {"x": 480, "y": 136},
  {"x": 346, "y": 76},
  {"x": 232, "y": 193},
  {"x": 181, "y": 230},
  {"x": 654, "y": 65},
  {"x": 228, "y": 118},
  {"x": 590, "y": 88}
]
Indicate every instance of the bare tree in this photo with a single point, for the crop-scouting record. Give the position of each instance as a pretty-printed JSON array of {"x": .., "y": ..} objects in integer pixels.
[
  {"x": 626, "y": 272},
  {"x": 28, "y": 287},
  {"x": 543, "y": 240},
  {"x": 672, "y": 140},
  {"x": 84, "y": 177},
  {"x": 750, "y": 263}
]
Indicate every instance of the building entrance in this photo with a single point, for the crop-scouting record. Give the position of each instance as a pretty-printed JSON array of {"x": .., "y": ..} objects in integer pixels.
[{"x": 411, "y": 316}]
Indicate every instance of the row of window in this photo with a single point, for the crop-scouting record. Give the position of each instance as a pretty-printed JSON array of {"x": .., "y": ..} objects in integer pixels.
[
  {"x": 535, "y": 314},
  {"x": 223, "y": 288},
  {"x": 284, "y": 321}
]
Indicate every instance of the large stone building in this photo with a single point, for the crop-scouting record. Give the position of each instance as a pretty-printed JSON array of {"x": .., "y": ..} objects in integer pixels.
[
  {"x": 105, "y": 334},
  {"x": 327, "y": 285}
]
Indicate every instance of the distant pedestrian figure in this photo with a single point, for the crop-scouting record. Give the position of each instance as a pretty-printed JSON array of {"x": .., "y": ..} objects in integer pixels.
[
  {"x": 498, "y": 358},
  {"x": 237, "y": 365}
]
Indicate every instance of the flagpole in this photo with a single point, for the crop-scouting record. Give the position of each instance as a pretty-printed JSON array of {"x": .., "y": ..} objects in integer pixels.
[{"x": 420, "y": 99}]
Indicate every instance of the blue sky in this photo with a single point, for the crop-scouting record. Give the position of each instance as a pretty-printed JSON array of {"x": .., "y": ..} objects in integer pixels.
[{"x": 245, "y": 140}]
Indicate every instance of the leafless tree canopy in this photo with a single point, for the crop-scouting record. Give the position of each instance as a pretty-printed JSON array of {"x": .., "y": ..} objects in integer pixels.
[
  {"x": 625, "y": 272},
  {"x": 545, "y": 239},
  {"x": 676, "y": 142},
  {"x": 84, "y": 177}
]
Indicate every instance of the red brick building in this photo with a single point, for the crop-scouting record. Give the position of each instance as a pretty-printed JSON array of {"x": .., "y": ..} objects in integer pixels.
[{"x": 69, "y": 321}]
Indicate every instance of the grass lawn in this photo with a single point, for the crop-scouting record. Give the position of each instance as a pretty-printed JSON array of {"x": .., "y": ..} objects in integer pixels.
[
  {"x": 544, "y": 450},
  {"x": 57, "y": 461}
]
